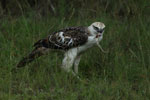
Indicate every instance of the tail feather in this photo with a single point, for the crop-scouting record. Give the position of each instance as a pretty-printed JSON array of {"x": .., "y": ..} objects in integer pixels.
[
  {"x": 42, "y": 43},
  {"x": 37, "y": 52}
]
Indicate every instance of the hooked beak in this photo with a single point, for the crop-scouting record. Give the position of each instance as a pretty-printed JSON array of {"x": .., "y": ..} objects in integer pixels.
[{"x": 100, "y": 31}]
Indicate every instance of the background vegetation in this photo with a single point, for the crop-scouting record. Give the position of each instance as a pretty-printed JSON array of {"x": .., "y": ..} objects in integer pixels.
[{"x": 121, "y": 74}]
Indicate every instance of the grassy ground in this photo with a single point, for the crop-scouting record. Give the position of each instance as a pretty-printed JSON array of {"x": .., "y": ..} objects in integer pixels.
[{"x": 122, "y": 74}]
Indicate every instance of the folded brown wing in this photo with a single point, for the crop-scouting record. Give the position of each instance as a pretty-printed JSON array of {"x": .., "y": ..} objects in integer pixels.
[{"x": 64, "y": 39}]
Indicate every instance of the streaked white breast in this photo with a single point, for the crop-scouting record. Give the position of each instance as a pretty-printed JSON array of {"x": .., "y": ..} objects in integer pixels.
[{"x": 91, "y": 42}]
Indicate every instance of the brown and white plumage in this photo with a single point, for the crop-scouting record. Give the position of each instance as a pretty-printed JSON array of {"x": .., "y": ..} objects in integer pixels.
[
  {"x": 65, "y": 39},
  {"x": 72, "y": 40}
]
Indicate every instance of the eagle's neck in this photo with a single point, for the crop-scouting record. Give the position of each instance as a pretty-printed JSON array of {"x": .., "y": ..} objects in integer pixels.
[{"x": 91, "y": 31}]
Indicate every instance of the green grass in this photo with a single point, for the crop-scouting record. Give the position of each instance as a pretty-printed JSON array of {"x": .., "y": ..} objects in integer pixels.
[{"x": 121, "y": 74}]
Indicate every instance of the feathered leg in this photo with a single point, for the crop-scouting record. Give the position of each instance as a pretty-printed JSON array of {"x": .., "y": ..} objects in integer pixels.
[
  {"x": 69, "y": 60},
  {"x": 76, "y": 64},
  {"x": 37, "y": 52}
]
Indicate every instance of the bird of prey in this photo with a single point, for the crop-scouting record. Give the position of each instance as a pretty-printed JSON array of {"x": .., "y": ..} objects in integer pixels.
[{"x": 72, "y": 40}]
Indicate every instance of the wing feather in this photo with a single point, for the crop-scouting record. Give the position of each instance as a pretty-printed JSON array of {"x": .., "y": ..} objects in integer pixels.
[{"x": 65, "y": 39}]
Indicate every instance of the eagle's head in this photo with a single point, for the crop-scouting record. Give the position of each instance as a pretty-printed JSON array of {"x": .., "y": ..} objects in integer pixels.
[{"x": 96, "y": 28}]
